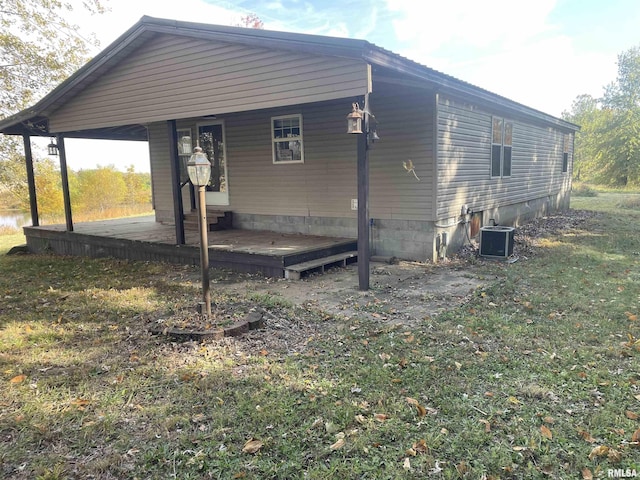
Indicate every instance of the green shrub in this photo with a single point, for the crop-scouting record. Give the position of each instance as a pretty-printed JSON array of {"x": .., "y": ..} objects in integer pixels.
[{"x": 583, "y": 190}]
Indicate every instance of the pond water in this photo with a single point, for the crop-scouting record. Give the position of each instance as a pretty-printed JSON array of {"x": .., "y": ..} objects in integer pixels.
[{"x": 14, "y": 219}]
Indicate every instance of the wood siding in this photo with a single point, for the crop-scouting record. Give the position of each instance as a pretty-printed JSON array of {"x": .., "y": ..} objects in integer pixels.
[
  {"x": 464, "y": 161},
  {"x": 175, "y": 77}
]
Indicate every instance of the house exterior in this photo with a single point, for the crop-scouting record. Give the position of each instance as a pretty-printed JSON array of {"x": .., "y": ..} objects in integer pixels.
[{"x": 269, "y": 109}]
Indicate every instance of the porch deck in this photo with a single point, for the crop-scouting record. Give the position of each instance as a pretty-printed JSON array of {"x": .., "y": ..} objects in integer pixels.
[{"x": 142, "y": 238}]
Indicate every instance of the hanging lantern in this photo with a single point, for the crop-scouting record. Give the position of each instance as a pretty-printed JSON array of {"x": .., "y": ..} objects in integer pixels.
[
  {"x": 52, "y": 148},
  {"x": 354, "y": 119}
]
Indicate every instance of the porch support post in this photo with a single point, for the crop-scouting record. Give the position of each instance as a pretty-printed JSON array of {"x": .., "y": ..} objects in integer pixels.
[
  {"x": 178, "y": 216},
  {"x": 66, "y": 196},
  {"x": 364, "y": 250},
  {"x": 31, "y": 180}
]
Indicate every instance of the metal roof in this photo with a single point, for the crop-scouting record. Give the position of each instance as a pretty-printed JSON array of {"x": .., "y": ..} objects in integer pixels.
[{"x": 33, "y": 120}]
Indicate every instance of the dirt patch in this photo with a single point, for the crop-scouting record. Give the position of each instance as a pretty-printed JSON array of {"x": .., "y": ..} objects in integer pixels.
[
  {"x": 406, "y": 292},
  {"x": 403, "y": 293}
]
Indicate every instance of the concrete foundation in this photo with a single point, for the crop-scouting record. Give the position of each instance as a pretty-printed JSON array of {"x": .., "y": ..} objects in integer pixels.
[{"x": 423, "y": 241}]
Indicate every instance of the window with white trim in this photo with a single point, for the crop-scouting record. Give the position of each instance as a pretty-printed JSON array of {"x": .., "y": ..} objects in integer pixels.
[
  {"x": 501, "y": 147},
  {"x": 286, "y": 138},
  {"x": 565, "y": 153}
]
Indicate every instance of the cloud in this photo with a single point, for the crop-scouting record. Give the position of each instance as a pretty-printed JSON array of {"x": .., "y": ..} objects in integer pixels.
[
  {"x": 473, "y": 23},
  {"x": 511, "y": 49}
]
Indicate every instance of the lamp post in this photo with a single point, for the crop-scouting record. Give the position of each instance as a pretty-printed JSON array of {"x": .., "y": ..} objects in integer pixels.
[{"x": 199, "y": 170}]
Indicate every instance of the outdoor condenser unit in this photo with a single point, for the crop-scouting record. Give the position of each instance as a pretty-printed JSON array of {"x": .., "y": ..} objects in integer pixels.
[{"x": 496, "y": 241}]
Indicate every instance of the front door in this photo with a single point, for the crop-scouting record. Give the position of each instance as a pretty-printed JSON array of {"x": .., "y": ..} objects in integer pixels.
[{"x": 211, "y": 140}]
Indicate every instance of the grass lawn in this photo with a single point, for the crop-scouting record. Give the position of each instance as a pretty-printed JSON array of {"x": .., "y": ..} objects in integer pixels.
[{"x": 536, "y": 376}]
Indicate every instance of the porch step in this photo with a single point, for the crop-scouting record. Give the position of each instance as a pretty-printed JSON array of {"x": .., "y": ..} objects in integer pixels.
[
  {"x": 294, "y": 272},
  {"x": 217, "y": 220}
]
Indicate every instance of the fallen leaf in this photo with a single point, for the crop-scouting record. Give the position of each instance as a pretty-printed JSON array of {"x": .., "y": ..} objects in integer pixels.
[
  {"x": 630, "y": 415},
  {"x": 549, "y": 420},
  {"x": 407, "y": 464},
  {"x": 360, "y": 419},
  {"x": 586, "y": 474},
  {"x": 487, "y": 425},
  {"x": 80, "y": 402},
  {"x": 239, "y": 475},
  {"x": 614, "y": 456},
  {"x": 458, "y": 365},
  {"x": 513, "y": 400},
  {"x": 420, "y": 446},
  {"x": 381, "y": 417},
  {"x": 339, "y": 444},
  {"x": 599, "y": 451},
  {"x": 316, "y": 423},
  {"x": 421, "y": 410},
  {"x": 252, "y": 446},
  {"x": 546, "y": 433},
  {"x": 264, "y": 352},
  {"x": 636, "y": 437},
  {"x": 18, "y": 379},
  {"x": 384, "y": 356},
  {"x": 631, "y": 316},
  {"x": 586, "y": 436},
  {"x": 409, "y": 339}
]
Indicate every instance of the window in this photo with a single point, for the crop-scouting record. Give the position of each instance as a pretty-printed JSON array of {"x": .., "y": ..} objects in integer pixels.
[
  {"x": 184, "y": 151},
  {"x": 286, "y": 137},
  {"x": 501, "y": 147},
  {"x": 565, "y": 154}
]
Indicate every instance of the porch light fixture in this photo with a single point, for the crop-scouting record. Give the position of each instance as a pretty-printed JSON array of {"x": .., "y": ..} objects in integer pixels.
[
  {"x": 199, "y": 170},
  {"x": 52, "y": 148},
  {"x": 354, "y": 119}
]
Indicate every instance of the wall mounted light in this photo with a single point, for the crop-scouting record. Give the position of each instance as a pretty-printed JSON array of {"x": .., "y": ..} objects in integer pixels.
[{"x": 354, "y": 119}]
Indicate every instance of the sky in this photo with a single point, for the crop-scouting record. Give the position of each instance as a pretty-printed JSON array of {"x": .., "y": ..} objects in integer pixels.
[{"x": 542, "y": 53}]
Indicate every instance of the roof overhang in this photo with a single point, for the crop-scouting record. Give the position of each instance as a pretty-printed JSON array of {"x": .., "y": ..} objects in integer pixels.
[{"x": 34, "y": 120}]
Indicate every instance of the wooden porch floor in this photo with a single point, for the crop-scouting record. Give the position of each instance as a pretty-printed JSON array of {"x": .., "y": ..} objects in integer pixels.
[{"x": 142, "y": 238}]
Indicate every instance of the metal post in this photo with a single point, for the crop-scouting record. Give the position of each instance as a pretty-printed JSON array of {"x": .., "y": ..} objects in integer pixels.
[{"x": 204, "y": 251}]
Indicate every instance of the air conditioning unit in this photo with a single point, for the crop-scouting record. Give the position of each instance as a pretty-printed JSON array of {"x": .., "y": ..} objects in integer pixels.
[{"x": 496, "y": 241}]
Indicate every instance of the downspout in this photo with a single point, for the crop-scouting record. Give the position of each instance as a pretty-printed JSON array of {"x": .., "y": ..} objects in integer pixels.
[
  {"x": 65, "y": 183},
  {"x": 31, "y": 180}
]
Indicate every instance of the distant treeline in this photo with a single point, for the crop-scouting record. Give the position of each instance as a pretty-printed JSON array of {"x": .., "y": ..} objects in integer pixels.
[{"x": 93, "y": 190}]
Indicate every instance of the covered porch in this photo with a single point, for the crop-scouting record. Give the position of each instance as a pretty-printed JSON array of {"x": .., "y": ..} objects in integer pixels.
[{"x": 142, "y": 238}]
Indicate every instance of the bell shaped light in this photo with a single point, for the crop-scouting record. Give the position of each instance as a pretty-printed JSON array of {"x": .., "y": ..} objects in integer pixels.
[{"x": 199, "y": 168}]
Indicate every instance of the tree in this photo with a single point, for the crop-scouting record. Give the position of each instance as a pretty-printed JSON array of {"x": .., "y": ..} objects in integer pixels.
[
  {"x": 251, "y": 20},
  {"x": 39, "y": 48},
  {"x": 100, "y": 189},
  {"x": 622, "y": 98},
  {"x": 608, "y": 146},
  {"x": 138, "y": 186}
]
